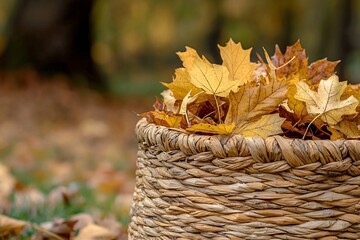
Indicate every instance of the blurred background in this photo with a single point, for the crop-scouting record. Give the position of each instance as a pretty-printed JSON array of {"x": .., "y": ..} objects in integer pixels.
[{"x": 73, "y": 75}]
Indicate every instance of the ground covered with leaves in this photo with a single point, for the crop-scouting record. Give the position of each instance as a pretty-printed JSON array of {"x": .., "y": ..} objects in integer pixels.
[{"x": 67, "y": 160}]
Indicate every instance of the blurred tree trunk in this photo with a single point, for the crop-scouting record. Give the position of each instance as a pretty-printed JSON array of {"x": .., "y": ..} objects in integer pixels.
[
  {"x": 345, "y": 42},
  {"x": 53, "y": 37}
]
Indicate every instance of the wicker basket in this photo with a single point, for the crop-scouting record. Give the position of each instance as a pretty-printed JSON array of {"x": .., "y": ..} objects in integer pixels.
[{"x": 220, "y": 187}]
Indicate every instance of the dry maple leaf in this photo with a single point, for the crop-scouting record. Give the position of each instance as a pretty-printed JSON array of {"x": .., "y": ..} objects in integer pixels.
[
  {"x": 250, "y": 103},
  {"x": 298, "y": 107},
  {"x": 213, "y": 129},
  {"x": 321, "y": 69},
  {"x": 335, "y": 134},
  {"x": 252, "y": 100},
  {"x": 297, "y": 68},
  {"x": 237, "y": 61},
  {"x": 161, "y": 118},
  {"x": 181, "y": 85},
  {"x": 171, "y": 120},
  {"x": 266, "y": 126},
  {"x": 350, "y": 129},
  {"x": 352, "y": 90},
  {"x": 326, "y": 103},
  {"x": 188, "y": 57},
  {"x": 212, "y": 78}
]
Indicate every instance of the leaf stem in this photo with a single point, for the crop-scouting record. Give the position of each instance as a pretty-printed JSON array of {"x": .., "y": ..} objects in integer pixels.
[
  {"x": 307, "y": 129},
  {"x": 217, "y": 108},
  {"x": 187, "y": 119}
]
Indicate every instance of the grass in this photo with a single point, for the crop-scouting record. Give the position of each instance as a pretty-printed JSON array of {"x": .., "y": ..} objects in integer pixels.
[{"x": 73, "y": 140}]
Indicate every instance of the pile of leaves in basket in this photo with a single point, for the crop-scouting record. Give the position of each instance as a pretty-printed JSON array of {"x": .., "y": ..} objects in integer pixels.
[{"x": 281, "y": 95}]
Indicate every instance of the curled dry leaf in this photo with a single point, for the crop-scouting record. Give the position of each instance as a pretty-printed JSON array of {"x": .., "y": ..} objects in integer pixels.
[
  {"x": 184, "y": 103},
  {"x": 169, "y": 101},
  {"x": 326, "y": 102}
]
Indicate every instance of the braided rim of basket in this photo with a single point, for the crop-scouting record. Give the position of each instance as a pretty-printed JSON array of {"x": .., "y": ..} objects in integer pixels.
[{"x": 291, "y": 152}]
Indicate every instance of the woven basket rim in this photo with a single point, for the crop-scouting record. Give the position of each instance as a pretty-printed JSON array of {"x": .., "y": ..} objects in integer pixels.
[{"x": 297, "y": 152}]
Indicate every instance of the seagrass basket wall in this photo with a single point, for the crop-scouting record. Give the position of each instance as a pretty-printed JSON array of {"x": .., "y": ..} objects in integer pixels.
[{"x": 231, "y": 187}]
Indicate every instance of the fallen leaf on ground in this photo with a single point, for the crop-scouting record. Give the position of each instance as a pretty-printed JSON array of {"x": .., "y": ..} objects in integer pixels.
[
  {"x": 82, "y": 220},
  {"x": 60, "y": 227},
  {"x": 10, "y": 226},
  {"x": 95, "y": 232}
]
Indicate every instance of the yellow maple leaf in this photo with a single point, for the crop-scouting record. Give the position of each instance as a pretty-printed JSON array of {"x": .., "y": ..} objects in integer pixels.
[
  {"x": 181, "y": 84},
  {"x": 335, "y": 133},
  {"x": 212, "y": 78},
  {"x": 298, "y": 107},
  {"x": 188, "y": 57},
  {"x": 350, "y": 129},
  {"x": 326, "y": 102},
  {"x": 250, "y": 103},
  {"x": 237, "y": 61},
  {"x": 213, "y": 129},
  {"x": 266, "y": 126},
  {"x": 170, "y": 120}
]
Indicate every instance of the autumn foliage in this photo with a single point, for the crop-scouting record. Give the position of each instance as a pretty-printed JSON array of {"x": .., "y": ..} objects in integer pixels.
[{"x": 283, "y": 95}]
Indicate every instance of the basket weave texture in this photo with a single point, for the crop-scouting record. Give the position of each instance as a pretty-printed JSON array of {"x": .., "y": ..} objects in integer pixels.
[{"x": 231, "y": 187}]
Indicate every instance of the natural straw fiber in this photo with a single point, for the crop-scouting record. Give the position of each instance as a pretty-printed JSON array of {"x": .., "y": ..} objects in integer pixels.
[{"x": 221, "y": 187}]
